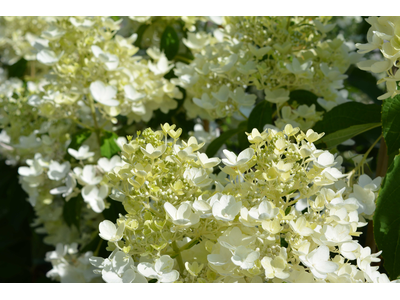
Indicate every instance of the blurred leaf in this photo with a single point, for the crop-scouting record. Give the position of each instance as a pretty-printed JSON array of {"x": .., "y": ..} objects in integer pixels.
[
  {"x": 72, "y": 211},
  {"x": 242, "y": 136},
  {"x": 92, "y": 245},
  {"x": 169, "y": 42},
  {"x": 348, "y": 114},
  {"x": 391, "y": 124},
  {"x": 77, "y": 139},
  {"x": 364, "y": 81},
  {"x": 260, "y": 116},
  {"x": 18, "y": 69},
  {"x": 109, "y": 147},
  {"x": 140, "y": 32},
  {"x": 116, "y": 208},
  {"x": 387, "y": 220},
  {"x": 338, "y": 137},
  {"x": 305, "y": 97},
  {"x": 216, "y": 144}
]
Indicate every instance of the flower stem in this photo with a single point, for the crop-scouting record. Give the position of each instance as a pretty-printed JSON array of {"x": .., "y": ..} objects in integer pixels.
[
  {"x": 359, "y": 166},
  {"x": 96, "y": 252},
  {"x": 96, "y": 125},
  {"x": 178, "y": 257}
]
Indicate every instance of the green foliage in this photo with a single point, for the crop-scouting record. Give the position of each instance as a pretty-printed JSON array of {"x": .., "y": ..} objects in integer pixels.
[
  {"x": 72, "y": 211},
  {"x": 216, "y": 144},
  {"x": 116, "y": 208},
  {"x": 365, "y": 82},
  {"x": 169, "y": 42},
  {"x": 140, "y": 32},
  {"x": 260, "y": 116},
  {"x": 347, "y": 115},
  {"x": 18, "y": 69},
  {"x": 22, "y": 251},
  {"x": 391, "y": 124},
  {"x": 338, "y": 137},
  {"x": 109, "y": 147},
  {"x": 387, "y": 220},
  {"x": 77, "y": 139},
  {"x": 346, "y": 121},
  {"x": 304, "y": 97}
]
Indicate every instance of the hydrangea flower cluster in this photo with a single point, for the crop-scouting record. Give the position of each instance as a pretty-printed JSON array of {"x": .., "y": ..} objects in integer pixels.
[
  {"x": 69, "y": 266},
  {"x": 88, "y": 60},
  {"x": 18, "y": 36},
  {"x": 279, "y": 211},
  {"x": 295, "y": 55},
  {"x": 383, "y": 35}
]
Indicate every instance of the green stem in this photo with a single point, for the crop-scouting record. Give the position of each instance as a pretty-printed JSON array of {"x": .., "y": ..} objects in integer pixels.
[
  {"x": 178, "y": 257},
  {"x": 243, "y": 115},
  {"x": 96, "y": 252},
  {"x": 288, "y": 23},
  {"x": 365, "y": 157},
  {"x": 96, "y": 125},
  {"x": 182, "y": 58},
  {"x": 81, "y": 124}
]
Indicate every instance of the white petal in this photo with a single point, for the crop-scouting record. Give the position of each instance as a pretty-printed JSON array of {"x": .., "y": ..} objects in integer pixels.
[
  {"x": 110, "y": 277},
  {"x": 96, "y": 50},
  {"x": 170, "y": 209},
  {"x": 170, "y": 277},
  {"x": 96, "y": 261},
  {"x": 107, "y": 230},
  {"x": 147, "y": 270}
]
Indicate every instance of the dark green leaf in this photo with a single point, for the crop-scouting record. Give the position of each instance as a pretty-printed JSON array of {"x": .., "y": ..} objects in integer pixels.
[
  {"x": 72, "y": 211},
  {"x": 169, "y": 42},
  {"x": 242, "y": 136},
  {"x": 219, "y": 141},
  {"x": 338, "y": 137},
  {"x": 18, "y": 69},
  {"x": 92, "y": 245},
  {"x": 391, "y": 124},
  {"x": 116, "y": 208},
  {"x": 283, "y": 242},
  {"x": 260, "y": 116},
  {"x": 365, "y": 82},
  {"x": 346, "y": 115},
  {"x": 140, "y": 32},
  {"x": 77, "y": 139},
  {"x": 387, "y": 220},
  {"x": 109, "y": 147},
  {"x": 304, "y": 97}
]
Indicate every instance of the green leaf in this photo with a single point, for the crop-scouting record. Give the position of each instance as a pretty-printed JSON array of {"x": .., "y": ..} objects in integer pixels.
[
  {"x": 216, "y": 144},
  {"x": 304, "y": 97},
  {"x": 18, "y": 69},
  {"x": 387, "y": 220},
  {"x": 242, "y": 136},
  {"x": 346, "y": 115},
  {"x": 338, "y": 137},
  {"x": 169, "y": 42},
  {"x": 92, "y": 244},
  {"x": 115, "y": 208},
  {"x": 365, "y": 82},
  {"x": 391, "y": 124},
  {"x": 77, "y": 139},
  {"x": 140, "y": 32},
  {"x": 72, "y": 211},
  {"x": 109, "y": 147},
  {"x": 260, "y": 116}
]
